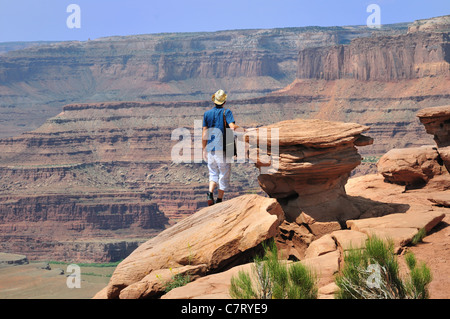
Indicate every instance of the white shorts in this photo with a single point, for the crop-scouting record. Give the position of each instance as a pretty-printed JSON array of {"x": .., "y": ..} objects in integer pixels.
[{"x": 219, "y": 169}]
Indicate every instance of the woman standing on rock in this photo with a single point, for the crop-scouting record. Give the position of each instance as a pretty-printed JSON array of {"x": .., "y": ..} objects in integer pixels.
[{"x": 215, "y": 152}]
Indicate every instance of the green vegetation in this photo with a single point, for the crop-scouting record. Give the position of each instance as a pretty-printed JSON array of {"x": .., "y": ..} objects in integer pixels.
[
  {"x": 274, "y": 279},
  {"x": 96, "y": 274},
  {"x": 371, "y": 159},
  {"x": 419, "y": 236},
  {"x": 178, "y": 280},
  {"x": 420, "y": 277},
  {"x": 110, "y": 264},
  {"x": 373, "y": 273}
]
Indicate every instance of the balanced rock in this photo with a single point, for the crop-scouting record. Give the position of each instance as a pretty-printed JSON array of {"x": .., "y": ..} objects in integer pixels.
[
  {"x": 214, "y": 238},
  {"x": 411, "y": 166},
  {"x": 437, "y": 122},
  {"x": 311, "y": 166}
]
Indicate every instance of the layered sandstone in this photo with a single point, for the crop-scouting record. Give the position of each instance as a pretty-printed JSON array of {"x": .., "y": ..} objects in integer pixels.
[
  {"x": 389, "y": 58},
  {"x": 154, "y": 67},
  {"x": 97, "y": 171},
  {"x": 108, "y": 148},
  {"x": 92, "y": 227},
  {"x": 313, "y": 162},
  {"x": 437, "y": 123}
]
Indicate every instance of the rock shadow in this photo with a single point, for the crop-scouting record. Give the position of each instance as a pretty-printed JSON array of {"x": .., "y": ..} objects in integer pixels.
[
  {"x": 370, "y": 208},
  {"x": 340, "y": 209}
]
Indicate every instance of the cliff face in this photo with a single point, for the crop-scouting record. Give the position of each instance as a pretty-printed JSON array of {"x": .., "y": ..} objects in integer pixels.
[
  {"x": 386, "y": 58},
  {"x": 68, "y": 226}
]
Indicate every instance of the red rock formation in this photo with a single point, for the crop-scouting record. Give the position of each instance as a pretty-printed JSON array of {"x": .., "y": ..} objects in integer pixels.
[
  {"x": 389, "y": 58},
  {"x": 153, "y": 67},
  {"x": 437, "y": 122},
  {"x": 411, "y": 166},
  {"x": 315, "y": 160},
  {"x": 69, "y": 226}
]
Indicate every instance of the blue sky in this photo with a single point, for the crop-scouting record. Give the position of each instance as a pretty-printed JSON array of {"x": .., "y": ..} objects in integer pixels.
[{"x": 34, "y": 20}]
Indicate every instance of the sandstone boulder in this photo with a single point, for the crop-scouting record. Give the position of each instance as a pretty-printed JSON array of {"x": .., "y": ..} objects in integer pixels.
[
  {"x": 311, "y": 167},
  {"x": 321, "y": 246},
  {"x": 215, "y": 286},
  {"x": 411, "y": 166},
  {"x": 212, "y": 239}
]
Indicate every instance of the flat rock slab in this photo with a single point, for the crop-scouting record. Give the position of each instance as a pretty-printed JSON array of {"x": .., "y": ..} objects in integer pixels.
[
  {"x": 157, "y": 281},
  {"x": 313, "y": 132},
  {"x": 416, "y": 219},
  {"x": 400, "y": 228},
  {"x": 440, "y": 199},
  {"x": 400, "y": 236}
]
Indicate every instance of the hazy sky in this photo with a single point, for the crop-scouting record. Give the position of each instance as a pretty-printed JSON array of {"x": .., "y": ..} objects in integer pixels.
[{"x": 32, "y": 20}]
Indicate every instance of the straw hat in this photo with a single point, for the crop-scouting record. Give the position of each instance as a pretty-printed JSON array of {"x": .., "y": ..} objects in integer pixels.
[{"x": 219, "y": 97}]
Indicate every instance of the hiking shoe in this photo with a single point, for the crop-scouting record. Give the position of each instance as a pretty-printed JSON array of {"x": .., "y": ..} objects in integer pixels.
[
  {"x": 210, "y": 198},
  {"x": 219, "y": 200}
]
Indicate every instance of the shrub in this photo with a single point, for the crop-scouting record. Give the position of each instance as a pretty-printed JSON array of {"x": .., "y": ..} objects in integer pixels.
[
  {"x": 274, "y": 278},
  {"x": 373, "y": 273},
  {"x": 420, "y": 277},
  {"x": 419, "y": 236},
  {"x": 178, "y": 280}
]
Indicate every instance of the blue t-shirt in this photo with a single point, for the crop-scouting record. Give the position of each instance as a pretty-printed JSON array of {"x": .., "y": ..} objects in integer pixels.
[{"x": 213, "y": 118}]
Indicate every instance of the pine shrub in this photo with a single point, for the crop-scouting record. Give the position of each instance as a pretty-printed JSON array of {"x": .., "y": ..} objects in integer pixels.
[
  {"x": 272, "y": 278},
  {"x": 373, "y": 273}
]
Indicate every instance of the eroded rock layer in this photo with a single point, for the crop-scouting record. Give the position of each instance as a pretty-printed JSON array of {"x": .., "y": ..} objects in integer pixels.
[
  {"x": 437, "y": 122},
  {"x": 312, "y": 165}
]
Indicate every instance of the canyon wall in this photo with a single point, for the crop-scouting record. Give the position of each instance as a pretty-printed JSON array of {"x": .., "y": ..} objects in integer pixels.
[
  {"x": 386, "y": 58},
  {"x": 36, "y": 82}
]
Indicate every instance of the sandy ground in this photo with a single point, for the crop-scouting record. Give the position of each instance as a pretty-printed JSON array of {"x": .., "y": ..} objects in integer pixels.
[
  {"x": 31, "y": 282},
  {"x": 435, "y": 252}
]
